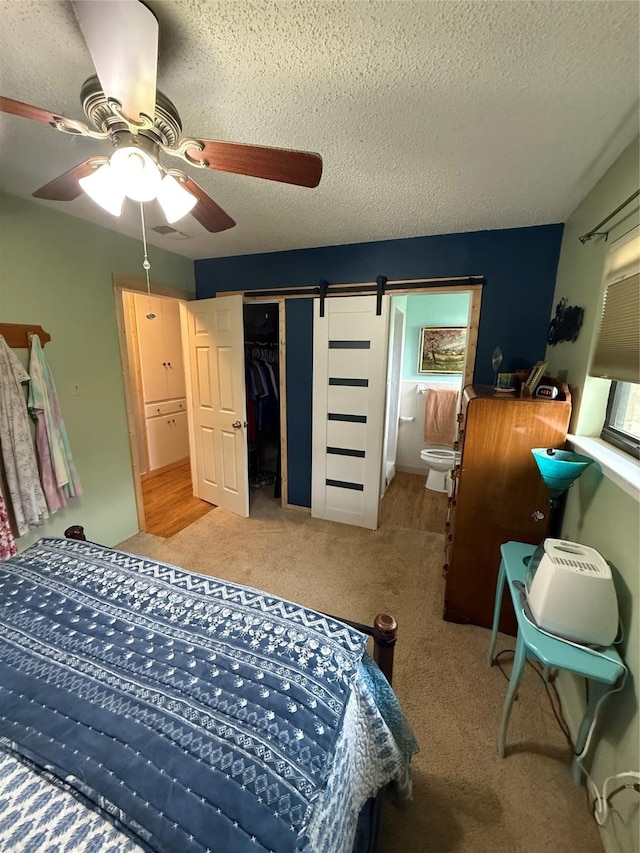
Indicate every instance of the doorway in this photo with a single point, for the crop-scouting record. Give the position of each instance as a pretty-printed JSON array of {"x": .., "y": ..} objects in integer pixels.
[
  {"x": 263, "y": 390},
  {"x": 153, "y": 370},
  {"x": 405, "y": 500},
  {"x": 263, "y": 330}
]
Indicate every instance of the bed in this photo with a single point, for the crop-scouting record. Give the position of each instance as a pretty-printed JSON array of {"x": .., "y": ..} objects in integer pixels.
[{"x": 144, "y": 707}]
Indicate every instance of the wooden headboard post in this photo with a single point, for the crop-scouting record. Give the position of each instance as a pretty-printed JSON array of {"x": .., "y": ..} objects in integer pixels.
[
  {"x": 76, "y": 531},
  {"x": 385, "y": 634}
]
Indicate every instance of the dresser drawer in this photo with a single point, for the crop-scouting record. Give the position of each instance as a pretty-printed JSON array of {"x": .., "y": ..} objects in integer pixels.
[{"x": 166, "y": 407}]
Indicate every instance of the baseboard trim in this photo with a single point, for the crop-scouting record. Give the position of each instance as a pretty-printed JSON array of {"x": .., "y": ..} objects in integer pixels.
[
  {"x": 288, "y": 506},
  {"x": 407, "y": 469}
]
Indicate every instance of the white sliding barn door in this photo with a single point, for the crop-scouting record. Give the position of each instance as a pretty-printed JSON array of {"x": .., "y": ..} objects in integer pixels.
[
  {"x": 213, "y": 339},
  {"x": 349, "y": 381}
]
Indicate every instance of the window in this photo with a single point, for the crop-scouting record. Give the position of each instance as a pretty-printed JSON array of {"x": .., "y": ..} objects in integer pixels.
[
  {"x": 617, "y": 351},
  {"x": 622, "y": 421}
]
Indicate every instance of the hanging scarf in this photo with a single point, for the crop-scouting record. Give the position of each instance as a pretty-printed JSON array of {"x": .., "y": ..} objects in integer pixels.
[{"x": 59, "y": 477}]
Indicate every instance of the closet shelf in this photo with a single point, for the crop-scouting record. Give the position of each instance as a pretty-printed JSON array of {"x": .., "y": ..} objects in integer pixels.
[{"x": 17, "y": 334}]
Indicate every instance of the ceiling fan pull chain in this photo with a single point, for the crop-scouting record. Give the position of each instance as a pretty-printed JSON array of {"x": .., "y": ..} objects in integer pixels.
[{"x": 145, "y": 263}]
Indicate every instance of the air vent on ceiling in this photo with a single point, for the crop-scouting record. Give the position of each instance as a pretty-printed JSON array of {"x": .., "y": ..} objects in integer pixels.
[{"x": 168, "y": 231}]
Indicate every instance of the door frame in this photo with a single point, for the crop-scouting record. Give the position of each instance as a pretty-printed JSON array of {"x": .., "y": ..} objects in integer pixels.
[
  {"x": 131, "y": 380},
  {"x": 394, "y": 310}
]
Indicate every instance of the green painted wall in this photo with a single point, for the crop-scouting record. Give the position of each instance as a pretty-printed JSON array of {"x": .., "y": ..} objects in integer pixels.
[
  {"x": 598, "y": 512},
  {"x": 430, "y": 309},
  {"x": 579, "y": 280},
  {"x": 55, "y": 270}
]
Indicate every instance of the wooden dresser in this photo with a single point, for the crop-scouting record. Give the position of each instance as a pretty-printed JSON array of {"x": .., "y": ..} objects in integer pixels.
[{"x": 497, "y": 488}]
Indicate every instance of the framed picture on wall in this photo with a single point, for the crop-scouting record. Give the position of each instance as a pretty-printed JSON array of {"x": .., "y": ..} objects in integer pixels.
[{"x": 442, "y": 349}]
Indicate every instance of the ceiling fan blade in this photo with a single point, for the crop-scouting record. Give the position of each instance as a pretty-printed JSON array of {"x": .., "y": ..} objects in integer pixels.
[
  {"x": 122, "y": 37},
  {"x": 303, "y": 168},
  {"x": 18, "y": 108},
  {"x": 66, "y": 187},
  {"x": 209, "y": 214}
]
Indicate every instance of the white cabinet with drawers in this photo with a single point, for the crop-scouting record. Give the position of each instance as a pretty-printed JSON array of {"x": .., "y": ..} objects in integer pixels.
[
  {"x": 167, "y": 439},
  {"x": 162, "y": 379},
  {"x": 167, "y": 407}
]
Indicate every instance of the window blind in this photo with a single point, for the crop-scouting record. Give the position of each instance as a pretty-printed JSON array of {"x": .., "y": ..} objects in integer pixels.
[{"x": 617, "y": 353}]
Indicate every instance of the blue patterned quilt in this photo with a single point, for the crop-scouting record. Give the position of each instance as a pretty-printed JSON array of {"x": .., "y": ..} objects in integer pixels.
[{"x": 197, "y": 715}]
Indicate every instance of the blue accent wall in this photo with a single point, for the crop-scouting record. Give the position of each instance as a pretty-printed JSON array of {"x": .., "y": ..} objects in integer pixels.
[
  {"x": 299, "y": 331},
  {"x": 519, "y": 266}
]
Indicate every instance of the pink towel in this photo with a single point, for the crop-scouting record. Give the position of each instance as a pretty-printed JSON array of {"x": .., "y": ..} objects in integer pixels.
[{"x": 440, "y": 417}]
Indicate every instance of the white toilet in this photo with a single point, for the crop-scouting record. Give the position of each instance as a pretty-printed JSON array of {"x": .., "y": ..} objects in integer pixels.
[{"x": 439, "y": 460}]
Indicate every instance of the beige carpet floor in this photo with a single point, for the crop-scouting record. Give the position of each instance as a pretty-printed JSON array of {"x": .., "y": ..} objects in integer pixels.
[{"x": 466, "y": 799}]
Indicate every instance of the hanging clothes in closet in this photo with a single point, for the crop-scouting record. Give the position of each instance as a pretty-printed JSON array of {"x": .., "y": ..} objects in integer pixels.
[{"x": 263, "y": 413}]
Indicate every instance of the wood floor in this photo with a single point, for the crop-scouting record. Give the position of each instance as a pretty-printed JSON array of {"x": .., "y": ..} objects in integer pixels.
[
  {"x": 407, "y": 503},
  {"x": 169, "y": 505}
]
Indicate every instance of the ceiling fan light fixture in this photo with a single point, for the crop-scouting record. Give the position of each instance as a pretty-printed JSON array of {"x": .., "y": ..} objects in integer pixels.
[
  {"x": 136, "y": 172},
  {"x": 104, "y": 190},
  {"x": 174, "y": 199}
]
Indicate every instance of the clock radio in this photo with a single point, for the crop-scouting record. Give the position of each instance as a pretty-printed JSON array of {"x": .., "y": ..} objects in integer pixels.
[
  {"x": 546, "y": 392},
  {"x": 570, "y": 592}
]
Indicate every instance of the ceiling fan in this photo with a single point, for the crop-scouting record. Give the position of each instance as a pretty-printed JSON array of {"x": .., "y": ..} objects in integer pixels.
[{"x": 123, "y": 105}]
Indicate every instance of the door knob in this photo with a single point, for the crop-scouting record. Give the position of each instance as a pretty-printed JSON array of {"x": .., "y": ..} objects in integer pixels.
[{"x": 236, "y": 425}]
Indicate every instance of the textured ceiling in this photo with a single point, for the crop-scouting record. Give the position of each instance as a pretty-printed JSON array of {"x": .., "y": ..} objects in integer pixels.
[{"x": 431, "y": 117}]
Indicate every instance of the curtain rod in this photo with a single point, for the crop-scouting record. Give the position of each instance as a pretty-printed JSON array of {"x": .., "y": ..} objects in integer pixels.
[{"x": 595, "y": 231}]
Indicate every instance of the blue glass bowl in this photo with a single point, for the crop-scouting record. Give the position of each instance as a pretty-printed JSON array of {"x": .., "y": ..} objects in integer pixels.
[{"x": 559, "y": 468}]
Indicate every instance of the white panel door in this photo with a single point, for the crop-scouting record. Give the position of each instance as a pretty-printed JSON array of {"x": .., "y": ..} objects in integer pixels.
[
  {"x": 349, "y": 382},
  {"x": 213, "y": 338}
]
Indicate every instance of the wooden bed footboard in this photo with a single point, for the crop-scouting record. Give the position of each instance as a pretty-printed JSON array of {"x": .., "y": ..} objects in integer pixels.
[{"x": 383, "y": 631}]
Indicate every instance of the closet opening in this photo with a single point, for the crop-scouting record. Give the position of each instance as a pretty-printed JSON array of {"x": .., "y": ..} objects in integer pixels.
[{"x": 262, "y": 343}]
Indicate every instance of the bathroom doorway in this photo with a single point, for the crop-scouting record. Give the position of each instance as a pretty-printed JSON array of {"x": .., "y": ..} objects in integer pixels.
[{"x": 405, "y": 500}]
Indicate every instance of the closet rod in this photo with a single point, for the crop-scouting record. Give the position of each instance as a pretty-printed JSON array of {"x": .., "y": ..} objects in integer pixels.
[{"x": 17, "y": 334}]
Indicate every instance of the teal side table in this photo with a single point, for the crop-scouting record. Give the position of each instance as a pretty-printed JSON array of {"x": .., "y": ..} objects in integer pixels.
[{"x": 550, "y": 651}]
